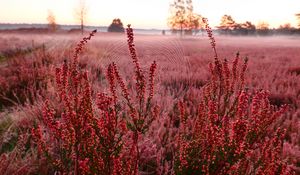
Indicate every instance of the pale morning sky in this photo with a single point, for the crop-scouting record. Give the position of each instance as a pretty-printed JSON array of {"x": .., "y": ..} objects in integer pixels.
[{"x": 148, "y": 13}]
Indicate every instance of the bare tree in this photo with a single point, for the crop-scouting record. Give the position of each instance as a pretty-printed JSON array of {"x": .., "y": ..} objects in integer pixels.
[
  {"x": 81, "y": 13},
  {"x": 52, "y": 26},
  {"x": 298, "y": 18}
]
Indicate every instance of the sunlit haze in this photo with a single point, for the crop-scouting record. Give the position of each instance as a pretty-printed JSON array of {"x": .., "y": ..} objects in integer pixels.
[{"x": 148, "y": 13}]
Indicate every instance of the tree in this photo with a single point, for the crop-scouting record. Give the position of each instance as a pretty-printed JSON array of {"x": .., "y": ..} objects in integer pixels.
[
  {"x": 183, "y": 18},
  {"x": 246, "y": 28},
  {"x": 177, "y": 19},
  {"x": 52, "y": 26},
  {"x": 227, "y": 24},
  {"x": 298, "y": 18},
  {"x": 195, "y": 23},
  {"x": 116, "y": 26},
  {"x": 286, "y": 26},
  {"x": 248, "y": 25},
  {"x": 81, "y": 13},
  {"x": 262, "y": 28},
  {"x": 286, "y": 29}
]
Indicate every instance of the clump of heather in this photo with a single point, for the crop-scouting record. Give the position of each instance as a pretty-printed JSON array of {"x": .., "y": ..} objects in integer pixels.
[
  {"x": 95, "y": 136},
  {"x": 235, "y": 131},
  {"x": 23, "y": 79},
  {"x": 139, "y": 110},
  {"x": 82, "y": 139}
]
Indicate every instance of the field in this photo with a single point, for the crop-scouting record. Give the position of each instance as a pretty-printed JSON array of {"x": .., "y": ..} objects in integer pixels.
[{"x": 182, "y": 98}]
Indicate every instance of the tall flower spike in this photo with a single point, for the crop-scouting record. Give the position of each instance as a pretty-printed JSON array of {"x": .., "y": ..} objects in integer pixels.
[
  {"x": 121, "y": 83},
  {"x": 131, "y": 46},
  {"x": 111, "y": 79},
  {"x": 140, "y": 79},
  {"x": 227, "y": 75},
  {"x": 242, "y": 76},
  {"x": 151, "y": 80},
  {"x": 213, "y": 45},
  {"x": 211, "y": 37},
  {"x": 80, "y": 45}
]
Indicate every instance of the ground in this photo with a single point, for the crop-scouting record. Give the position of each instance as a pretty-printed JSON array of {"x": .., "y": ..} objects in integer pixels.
[{"x": 183, "y": 67}]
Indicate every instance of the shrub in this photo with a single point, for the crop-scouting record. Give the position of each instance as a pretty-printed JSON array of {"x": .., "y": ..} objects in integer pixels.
[
  {"x": 85, "y": 140},
  {"x": 23, "y": 79},
  {"x": 116, "y": 26},
  {"x": 80, "y": 141},
  {"x": 233, "y": 132}
]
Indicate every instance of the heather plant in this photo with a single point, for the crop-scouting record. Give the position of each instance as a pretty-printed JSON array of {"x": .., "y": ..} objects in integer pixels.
[
  {"x": 9, "y": 53},
  {"x": 17, "y": 155},
  {"x": 233, "y": 132},
  {"x": 18, "y": 160},
  {"x": 80, "y": 141},
  {"x": 24, "y": 78},
  {"x": 85, "y": 140},
  {"x": 141, "y": 110}
]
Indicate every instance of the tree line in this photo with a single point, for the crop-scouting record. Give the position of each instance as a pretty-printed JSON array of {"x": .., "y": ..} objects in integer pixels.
[{"x": 184, "y": 21}]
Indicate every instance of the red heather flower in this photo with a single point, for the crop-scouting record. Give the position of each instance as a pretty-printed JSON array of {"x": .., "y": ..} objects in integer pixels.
[
  {"x": 121, "y": 84},
  {"x": 38, "y": 138},
  {"x": 80, "y": 45},
  {"x": 183, "y": 155},
  {"x": 227, "y": 76},
  {"x": 104, "y": 101},
  {"x": 239, "y": 131},
  {"x": 140, "y": 79},
  {"x": 234, "y": 68},
  {"x": 243, "y": 104},
  {"x": 84, "y": 167},
  {"x": 117, "y": 166},
  {"x": 210, "y": 35},
  {"x": 111, "y": 79},
  {"x": 242, "y": 75},
  {"x": 181, "y": 108},
  {"x": 213, "y": 45},
  {"x": 151, "y": 80}
]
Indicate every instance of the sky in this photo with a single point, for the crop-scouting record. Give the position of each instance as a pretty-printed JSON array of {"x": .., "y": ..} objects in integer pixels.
[{"x": 148, "y": 13}]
